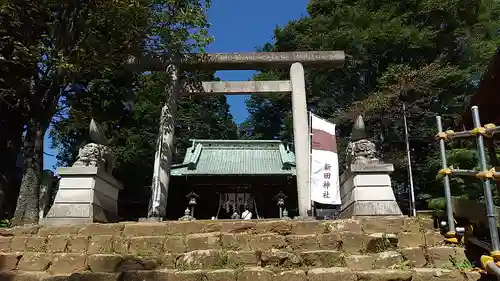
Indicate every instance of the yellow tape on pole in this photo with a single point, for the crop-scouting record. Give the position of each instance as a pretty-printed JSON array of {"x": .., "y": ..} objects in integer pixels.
[
  {"x": 441, "y": 136},
  {"x": 478, "y": 130},
  {"x": 445, "y": 171},
  {"x": 485, "y": 175}
]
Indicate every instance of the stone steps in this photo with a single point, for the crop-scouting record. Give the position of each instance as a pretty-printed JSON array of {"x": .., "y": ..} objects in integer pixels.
[
  {"x": 58, "y": 263},
  {"x": 282, "y": 227},
  {"x": 270, "y": 249},
  {"x": 348, "y": 236},
  {"x": 346, "y": 242},
  {"x": 252, "y": 274}
]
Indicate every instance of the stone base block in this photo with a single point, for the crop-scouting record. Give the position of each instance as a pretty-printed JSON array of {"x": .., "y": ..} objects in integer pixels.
[
  {"x": 371, "y": 209},
  {"x": 367, "y": 191},
  {"x": 85, "y": 195},
  {"x": 75, "y": 214}
]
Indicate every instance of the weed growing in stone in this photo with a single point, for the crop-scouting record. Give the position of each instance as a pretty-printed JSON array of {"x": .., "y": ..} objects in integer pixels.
[
  {"x": 461, "y": 265},
  {"x": 383, "y": 244},
  {"x": 403, "y": 265},
  {"x": 224, "y": 262}
]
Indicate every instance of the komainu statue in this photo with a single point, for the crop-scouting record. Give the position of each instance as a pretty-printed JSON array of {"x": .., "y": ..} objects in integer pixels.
[
  {"x": 360, "y": 150},
  {"x": 96, "y": 153}
]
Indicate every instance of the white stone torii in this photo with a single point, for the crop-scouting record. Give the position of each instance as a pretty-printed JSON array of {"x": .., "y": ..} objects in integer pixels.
[{"x": 238, "y": 61}]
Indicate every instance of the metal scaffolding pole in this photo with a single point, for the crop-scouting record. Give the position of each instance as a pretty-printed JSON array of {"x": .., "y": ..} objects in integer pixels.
[
  {"x": 446, "y": 180},
  {"x": 486, "y": 184}
]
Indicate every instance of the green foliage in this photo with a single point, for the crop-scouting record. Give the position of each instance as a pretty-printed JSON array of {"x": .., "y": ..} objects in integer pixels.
[
  {"x": 50, "y": 50},
  {"x": 437, "y": 203},
  {"x": 462, "y": 265},
  {"x": 425, "y": 53},
  {"x": 466, "y": 187},
  {"x": 5, "y": 223},
  {"x": 403, "y": 265}
]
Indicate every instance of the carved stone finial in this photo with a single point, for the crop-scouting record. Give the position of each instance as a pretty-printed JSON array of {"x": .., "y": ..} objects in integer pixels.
[
  {"x": 360, "y": 150},
  {"x": 97, "y": 133},
  {"x": 358, "y": 130},
  {"x": 96, "y": 153}
]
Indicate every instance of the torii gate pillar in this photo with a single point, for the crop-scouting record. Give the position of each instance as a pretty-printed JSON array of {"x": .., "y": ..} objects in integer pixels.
[{"x": 301, "y": 137}]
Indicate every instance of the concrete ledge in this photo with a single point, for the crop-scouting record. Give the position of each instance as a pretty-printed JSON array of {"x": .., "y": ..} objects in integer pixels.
[
  {"x": 69, "y": 172},
  {"x": 245, "y": 61},
  {"x": 243, "y": 87},
  {"x": 360, "y": 169},
  {"x": 372, "y": 168},
  {"x": 373, "y": 182},
  {"x": 63, "y": 214},
  {"x": 371, "y": 209},
  {"x": 367, "y": 193}
]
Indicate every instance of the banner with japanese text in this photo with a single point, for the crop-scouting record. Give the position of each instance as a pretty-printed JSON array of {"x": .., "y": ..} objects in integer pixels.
[{"x": 325, "y": 187}]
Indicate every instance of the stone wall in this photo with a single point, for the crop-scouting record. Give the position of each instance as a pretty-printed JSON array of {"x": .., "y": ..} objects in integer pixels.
[{"x": 370, "y": 249}]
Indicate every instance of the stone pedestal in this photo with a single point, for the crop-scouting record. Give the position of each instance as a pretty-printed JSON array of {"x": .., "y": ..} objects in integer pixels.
[
  {"x": 366, "y": 191},
  {"x": 85, "y": 195}
]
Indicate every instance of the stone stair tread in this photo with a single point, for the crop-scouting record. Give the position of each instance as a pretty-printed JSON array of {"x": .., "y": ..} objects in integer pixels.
[
  {"x": 252, "y": 273},
  {"x": 132, "y": 229},
  {"x": 349, "y": 242},
  {"x": 209, "y": 259}
]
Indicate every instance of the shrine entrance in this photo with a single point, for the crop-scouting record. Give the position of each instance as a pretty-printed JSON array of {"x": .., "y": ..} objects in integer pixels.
[
  {"x": 220, "y": 201},
  {"x": 231, "y": 175},
  {"x": 235, "y": 203}
]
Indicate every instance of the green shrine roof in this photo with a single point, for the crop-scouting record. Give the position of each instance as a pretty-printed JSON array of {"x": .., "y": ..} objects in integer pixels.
[{"x": 236, "y": 157}]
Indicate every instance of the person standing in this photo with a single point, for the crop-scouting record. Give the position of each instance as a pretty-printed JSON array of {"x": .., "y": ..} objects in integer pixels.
[{"x": 246, "y": 215}]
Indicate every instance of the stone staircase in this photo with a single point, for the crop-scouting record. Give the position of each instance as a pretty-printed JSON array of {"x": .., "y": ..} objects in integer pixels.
[{"x": 369, "y": 249}]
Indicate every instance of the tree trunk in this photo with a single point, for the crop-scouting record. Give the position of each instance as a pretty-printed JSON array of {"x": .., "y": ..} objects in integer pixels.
[
  {"x": 27, "y": 202},
  {"x": 10, "y": 147}
]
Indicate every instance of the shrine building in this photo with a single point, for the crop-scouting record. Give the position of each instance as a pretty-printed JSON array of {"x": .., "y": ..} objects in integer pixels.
[{"x": 229, "y": 175}]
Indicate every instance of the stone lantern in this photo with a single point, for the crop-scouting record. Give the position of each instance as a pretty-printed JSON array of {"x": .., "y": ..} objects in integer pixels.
[
  {"x": 280, "y": 202},
  {"x": 187, "y": 216},
  {"x": 192, "y": 197},
  {"x": 285, "y": 215}
]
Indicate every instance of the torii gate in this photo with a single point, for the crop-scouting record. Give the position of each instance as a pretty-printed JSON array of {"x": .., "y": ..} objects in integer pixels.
[{"x": 296, "y": 61}]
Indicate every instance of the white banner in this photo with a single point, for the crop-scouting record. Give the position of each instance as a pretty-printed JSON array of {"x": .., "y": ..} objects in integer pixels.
[{"x": 324, "y": 179}]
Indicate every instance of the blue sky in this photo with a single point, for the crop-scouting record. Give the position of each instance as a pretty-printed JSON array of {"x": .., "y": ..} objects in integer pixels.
[{"x": 238, "y": 26}]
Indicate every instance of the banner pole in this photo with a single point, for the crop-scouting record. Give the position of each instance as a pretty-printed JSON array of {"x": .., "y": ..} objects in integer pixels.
[
  {"x": 310, "y": 163},
  {"x": 413, "y": 209}
]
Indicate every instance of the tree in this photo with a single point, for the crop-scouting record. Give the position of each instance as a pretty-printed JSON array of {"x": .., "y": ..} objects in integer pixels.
[
  {"x": 428, "y": 54},
  {"x": 16, "y": 62},
  {"x": 69, "y": 45}
]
